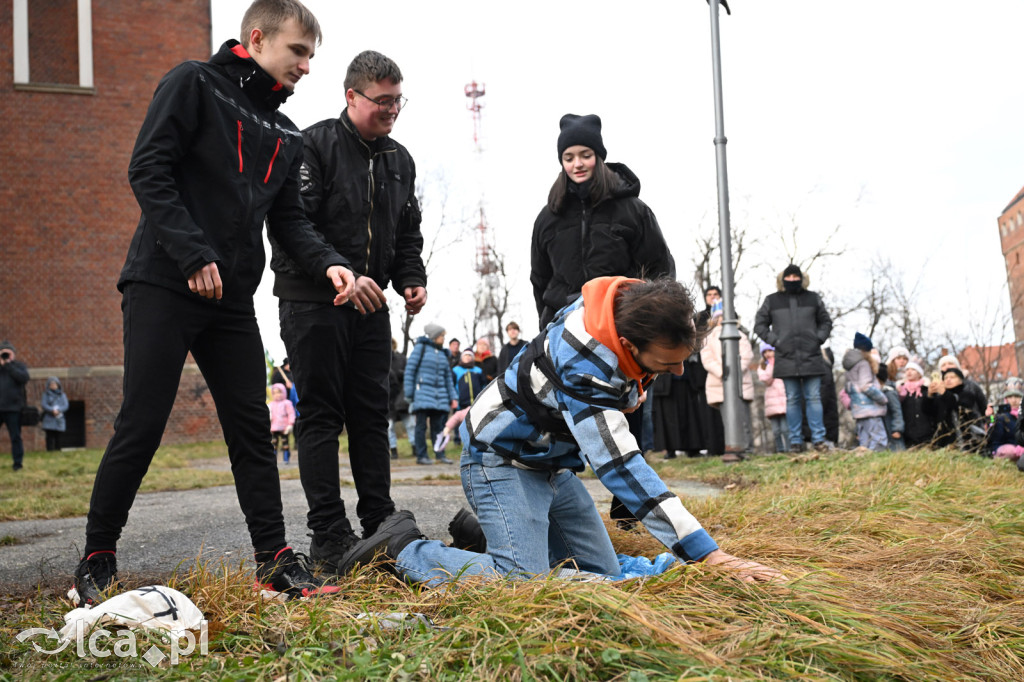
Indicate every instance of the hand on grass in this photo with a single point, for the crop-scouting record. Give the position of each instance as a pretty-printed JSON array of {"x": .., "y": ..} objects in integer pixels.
[{"x": 749, "y": 571}]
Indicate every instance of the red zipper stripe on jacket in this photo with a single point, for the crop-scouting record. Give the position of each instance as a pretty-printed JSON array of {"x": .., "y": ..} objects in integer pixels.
[
  {"x": 239, "y": 146},
  {"x": 271, "y": 166}
]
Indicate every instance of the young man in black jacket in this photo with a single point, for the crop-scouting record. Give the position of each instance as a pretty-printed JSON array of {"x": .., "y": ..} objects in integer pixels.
[
  {"x": 212, "y": 159},
  {"x": 358, "y": 186}
]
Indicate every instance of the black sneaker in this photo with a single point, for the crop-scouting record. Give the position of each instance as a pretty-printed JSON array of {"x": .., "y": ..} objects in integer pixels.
[
  {"x": 466, "y": 532},
  {"x": 392, "y": 536},
  {"x": 328, "y": 550},
  {"x": 286, "y": 577},
  {"x": 95, "y": 574}
]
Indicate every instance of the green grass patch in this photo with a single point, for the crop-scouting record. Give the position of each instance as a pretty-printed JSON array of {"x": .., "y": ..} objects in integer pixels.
[
  {"x": 59, "y": 484},
  {"x": 902, "y": 566}
]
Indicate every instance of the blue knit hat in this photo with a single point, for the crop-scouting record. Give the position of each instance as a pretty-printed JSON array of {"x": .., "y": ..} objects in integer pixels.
[{"x": 861, "y": 342}]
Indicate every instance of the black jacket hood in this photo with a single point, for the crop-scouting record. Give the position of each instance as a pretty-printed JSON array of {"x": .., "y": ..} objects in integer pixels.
[{"x": 629, "y": 185}]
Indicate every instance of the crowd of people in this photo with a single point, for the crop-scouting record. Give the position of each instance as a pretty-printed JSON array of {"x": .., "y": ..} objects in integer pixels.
[{"x": 339, "y": 206}]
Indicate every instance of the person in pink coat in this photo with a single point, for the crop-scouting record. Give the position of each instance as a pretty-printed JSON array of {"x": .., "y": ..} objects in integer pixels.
[
  {"x": 282, "y": 419},
  {"x": 711, "y": 358},
  {"x": 774, "y": 398}
]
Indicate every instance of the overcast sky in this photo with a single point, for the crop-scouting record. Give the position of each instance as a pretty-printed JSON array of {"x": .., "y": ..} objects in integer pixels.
[{"x": 898, "y": 121}]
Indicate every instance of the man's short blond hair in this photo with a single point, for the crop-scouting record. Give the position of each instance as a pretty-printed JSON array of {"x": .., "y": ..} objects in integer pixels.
[{"x": 270, "y": 15}]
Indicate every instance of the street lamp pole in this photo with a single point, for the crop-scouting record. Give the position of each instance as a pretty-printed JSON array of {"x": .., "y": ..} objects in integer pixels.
[{"x": 735, "y": 440}]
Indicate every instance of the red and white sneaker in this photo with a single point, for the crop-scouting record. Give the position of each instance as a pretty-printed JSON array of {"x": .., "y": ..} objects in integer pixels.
[{"x": 286, "y": 577}]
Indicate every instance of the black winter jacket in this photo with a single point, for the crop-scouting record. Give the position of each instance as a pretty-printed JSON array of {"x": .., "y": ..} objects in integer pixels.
[
  {"x": 618, "y": 236},
  {"x": 919, "y": 414},
  {"x": 797, "y": 325},
  {"x": 361, "y": 197},
  {"x": 13, "y": 377},
  {"x": 213, "y": 158}
]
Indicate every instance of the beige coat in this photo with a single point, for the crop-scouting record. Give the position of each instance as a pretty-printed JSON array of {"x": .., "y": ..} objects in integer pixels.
[{"x": 711, "y": 357}]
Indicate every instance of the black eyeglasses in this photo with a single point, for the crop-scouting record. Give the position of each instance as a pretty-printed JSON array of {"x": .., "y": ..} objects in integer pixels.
[{"x": 385, "y": 103}]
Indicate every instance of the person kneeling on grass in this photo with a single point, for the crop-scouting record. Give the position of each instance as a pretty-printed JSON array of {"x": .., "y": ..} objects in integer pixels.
[{"x": 559, "y": 407}]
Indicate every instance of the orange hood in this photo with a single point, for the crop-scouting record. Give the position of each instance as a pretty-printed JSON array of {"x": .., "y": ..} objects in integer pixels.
[{"x": 599, "y": 321}]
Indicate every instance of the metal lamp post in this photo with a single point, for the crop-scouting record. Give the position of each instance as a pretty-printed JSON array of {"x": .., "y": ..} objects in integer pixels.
[{"x": 735, "y": 439}]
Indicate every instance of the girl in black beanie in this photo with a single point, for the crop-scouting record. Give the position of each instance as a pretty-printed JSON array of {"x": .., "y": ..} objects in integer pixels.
[{"x": 593, "y": 225}]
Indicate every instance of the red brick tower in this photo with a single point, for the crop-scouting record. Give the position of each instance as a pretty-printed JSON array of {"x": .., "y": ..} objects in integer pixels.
[
  {"x": 79, "y": 76},
  {"x": 1011, "y": 238}
]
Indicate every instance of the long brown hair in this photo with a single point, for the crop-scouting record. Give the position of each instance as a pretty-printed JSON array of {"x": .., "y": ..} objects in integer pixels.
[{"x": 603, "y": 183}]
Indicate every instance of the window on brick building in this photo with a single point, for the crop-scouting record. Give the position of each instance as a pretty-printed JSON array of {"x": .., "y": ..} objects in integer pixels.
[
  {"x": 53, "y": 45},
  {"x": 1019, "y": 219}
]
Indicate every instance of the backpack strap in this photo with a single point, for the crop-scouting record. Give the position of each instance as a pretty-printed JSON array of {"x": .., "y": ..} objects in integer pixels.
[{"x": 545, "y": 418}]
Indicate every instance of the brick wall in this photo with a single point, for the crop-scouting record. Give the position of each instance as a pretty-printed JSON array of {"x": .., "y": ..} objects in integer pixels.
[
  {"x": 69, "y": 212},
  {"x": 99, "y": 388},
  {"x": 1011, "y": 239}
]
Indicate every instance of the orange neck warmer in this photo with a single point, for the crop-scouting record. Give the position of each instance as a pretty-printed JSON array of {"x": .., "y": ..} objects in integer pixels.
[{"x": 599, "y": 321}]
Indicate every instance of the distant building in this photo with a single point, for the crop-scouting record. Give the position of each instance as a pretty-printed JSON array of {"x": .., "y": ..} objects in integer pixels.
[
  {"x": 79, "y": 76},
  {"x": 1011, "y": 239},
  {"x": 990, "y": 366}
]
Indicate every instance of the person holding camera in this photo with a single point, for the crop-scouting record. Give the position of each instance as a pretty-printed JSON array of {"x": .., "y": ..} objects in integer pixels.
[{"x": 13, "y": 377}]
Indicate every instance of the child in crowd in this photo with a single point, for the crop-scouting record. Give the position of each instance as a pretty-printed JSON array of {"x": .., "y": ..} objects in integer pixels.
[
  {"x": 55, "y": 404},
  {"x": 282, "y": 420},
  {"x": 469, "y": 381},
  {"x": 1002, "y": 433},
  {"x": 863, "y": 394},
  {"x": 774, "y": 398},
  {"x": 894, "y": 423},
  {"x": 959, "y": 422},
  {"x": 895, "y": 362},
  {"x": 711, "y": 357},
  {"x": 917, "y": 407}
]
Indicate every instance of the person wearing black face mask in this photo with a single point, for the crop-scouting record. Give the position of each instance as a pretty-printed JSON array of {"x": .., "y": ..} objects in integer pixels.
[{"x": 796, "y": 322}]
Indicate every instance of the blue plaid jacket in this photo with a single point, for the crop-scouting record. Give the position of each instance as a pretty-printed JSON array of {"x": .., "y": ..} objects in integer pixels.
[{"x": 600, "y": 435}]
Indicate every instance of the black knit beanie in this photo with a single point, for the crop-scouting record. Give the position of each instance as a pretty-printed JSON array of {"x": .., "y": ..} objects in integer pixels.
[
  {"x": 584, "y": 130},
  {"x": 953, "y": 370},
  {"x": 792, "y": 269}
]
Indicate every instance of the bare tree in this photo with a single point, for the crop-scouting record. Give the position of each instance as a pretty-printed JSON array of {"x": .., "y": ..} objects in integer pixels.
[
  {"x": 985, "y": 343},
  {"x": 433, "y": 193},
  {"x": 707, "y": 259}
]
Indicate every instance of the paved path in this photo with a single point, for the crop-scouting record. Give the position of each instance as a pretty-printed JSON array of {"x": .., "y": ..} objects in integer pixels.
[{"x": 166, "y": 528}]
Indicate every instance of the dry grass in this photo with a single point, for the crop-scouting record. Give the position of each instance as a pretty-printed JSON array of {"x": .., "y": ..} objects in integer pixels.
[{"x": 903, "y": 566}]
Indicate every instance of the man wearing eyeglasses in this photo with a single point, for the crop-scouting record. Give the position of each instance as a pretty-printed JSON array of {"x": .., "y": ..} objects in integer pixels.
[{"x": 358, "y": 188}]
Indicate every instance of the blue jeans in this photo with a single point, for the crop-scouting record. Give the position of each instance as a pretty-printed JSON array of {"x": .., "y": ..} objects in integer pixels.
[
  {"x": 780, "y": 432},
  {"x": 533, "y": 521},
  {"x": 409, "y": 422},
  {"x": 437, "y": 418},
  {"x": 801, "y": 392}
]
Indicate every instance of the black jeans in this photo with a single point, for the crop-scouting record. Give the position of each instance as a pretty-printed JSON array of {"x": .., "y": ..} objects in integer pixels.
[
  {"x": 13, "y": 421},
  {"x": 160, "y": 328},
  {"x": 52, "y": 440},
  {"x": 340, "y": 363}
]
